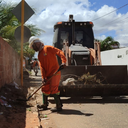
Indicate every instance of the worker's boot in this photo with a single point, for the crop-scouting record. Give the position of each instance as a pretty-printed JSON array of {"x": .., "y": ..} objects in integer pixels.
[
  {"x": 45, "y": 103},
  {"x": 58, "y": 103}
]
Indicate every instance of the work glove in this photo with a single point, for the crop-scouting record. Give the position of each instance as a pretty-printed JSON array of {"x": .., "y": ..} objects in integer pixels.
[
  {"x": 43, "y": 81},
  {"x": 63, "y": 65}
]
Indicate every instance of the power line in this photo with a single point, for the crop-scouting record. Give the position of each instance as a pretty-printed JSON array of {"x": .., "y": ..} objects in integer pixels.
[
  {"x": 114, "y": 20},
  {"x": 110, "y": 12},
  {"x": 124, "y": 19}
]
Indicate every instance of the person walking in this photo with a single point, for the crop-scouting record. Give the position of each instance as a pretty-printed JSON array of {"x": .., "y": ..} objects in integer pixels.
[
  {"x": 49, "y": 65},
  {"x": 31, "y": 65},
  {"x": 35, "y": 66}
]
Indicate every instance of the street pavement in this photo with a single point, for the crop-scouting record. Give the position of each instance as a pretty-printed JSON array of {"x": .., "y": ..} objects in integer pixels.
[{"x": 82, "y": 112}]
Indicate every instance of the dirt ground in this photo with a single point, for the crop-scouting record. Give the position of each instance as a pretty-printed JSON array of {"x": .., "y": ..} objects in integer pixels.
[
  {"x": 12, "y": 111},
  {"x": 86, "y": 112}
]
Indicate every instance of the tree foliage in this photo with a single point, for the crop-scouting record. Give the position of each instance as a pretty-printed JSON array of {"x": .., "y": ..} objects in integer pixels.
[
  {"x": 6, "y": 17},
  {"x": 27, "y": 51},
  {"x": 108, "y": 44},
  {"x": 8, "y": 25}
]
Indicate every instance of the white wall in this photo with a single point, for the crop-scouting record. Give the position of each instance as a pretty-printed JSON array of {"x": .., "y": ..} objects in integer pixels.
[{"x": 115, "y": 57}]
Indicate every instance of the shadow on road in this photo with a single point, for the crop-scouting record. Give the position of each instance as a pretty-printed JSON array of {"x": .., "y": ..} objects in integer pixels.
[
  {"x": 74, "y": 112},
  {"x": 98, "y": 100}
]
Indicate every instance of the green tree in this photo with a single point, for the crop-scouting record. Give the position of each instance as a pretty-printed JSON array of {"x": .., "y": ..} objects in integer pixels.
[
  {"x": 8, "y": 25},
  {"x": 6, "y": 15},
  {"x": 27, "y": 51},
  {"x": 108, "y": 44}
]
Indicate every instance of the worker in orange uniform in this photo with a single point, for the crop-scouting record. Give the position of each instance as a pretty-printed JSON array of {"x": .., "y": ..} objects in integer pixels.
[
  {"x": 35, "y": 66},
  {"x": 49, "y": 65}
]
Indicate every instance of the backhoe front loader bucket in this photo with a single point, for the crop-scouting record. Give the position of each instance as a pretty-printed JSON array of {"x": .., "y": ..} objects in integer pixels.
[{"x": 94, "y": 81}]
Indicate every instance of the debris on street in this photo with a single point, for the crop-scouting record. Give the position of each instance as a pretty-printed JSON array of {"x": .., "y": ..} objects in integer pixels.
[
  {"x": 70, "y": 81},
  {"x": 12, "y": 113},
  {"x": 87, "y": 78}
]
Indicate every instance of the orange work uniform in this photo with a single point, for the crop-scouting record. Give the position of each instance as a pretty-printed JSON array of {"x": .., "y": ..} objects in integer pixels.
[
  {"x": 49, "y": 65},
  {"x": 35, "y": 63}
]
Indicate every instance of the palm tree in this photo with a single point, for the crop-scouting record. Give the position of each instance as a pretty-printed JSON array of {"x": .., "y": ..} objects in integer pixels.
[
  {"x": 27, "y": 51},
  {"x": 109, "y": 44},
  {"x": 5, "y": 14},
  {"x": 8, "y": 25}
]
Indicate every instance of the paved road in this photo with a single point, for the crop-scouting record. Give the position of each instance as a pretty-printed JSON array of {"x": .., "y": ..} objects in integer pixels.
[{"x": 86, "y": 112}]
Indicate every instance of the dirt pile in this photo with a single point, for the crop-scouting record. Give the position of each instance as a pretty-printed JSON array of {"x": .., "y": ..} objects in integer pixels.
[{"x": 12, "y": 112}]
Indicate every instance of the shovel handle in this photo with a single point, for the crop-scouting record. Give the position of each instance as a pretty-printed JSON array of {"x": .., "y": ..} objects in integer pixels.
[{"x": 60, "y": 68}]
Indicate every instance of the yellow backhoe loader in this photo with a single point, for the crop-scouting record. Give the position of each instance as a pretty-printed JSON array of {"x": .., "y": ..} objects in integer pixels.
[{"x": 84, "y": 74}]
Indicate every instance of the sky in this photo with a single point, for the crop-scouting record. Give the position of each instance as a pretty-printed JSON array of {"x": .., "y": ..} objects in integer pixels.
[{"x": 110, "y": 17}]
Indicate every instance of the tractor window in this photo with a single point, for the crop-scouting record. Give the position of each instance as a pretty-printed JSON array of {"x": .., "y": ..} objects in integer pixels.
[
  {"x": 63, "y": 37},
  {"x": 55, "y": 38},
  {"x": 89, "y": 38},
  {"x": 79, "y": 37}
]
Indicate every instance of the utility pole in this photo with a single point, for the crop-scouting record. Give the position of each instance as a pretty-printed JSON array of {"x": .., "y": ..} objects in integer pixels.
[
  {"x": 19, "y": 12},
  {"x": 22, "y": 39}
]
